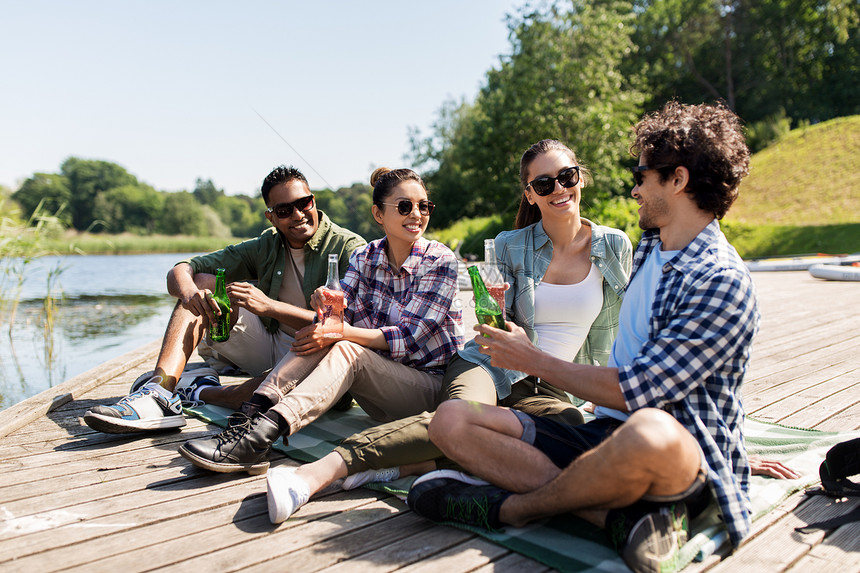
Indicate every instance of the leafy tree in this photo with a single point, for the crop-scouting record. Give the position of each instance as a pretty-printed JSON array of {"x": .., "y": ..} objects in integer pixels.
[
  {"x": 206, "y": 192},
  {"x": 757, "y": 56},
  {"x": 132, "y": 208},
  {"x": 49, "y": 189},
  {"x": 86, "y": 180},
  {"x": 564, "y": 81},
  {"x": 243, "y": 214},
  {"x": 182, "y": 215},
  {"x": 350, "y": 207}
]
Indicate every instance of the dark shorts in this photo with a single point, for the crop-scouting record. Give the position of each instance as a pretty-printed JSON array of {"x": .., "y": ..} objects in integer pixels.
[{"x": 562, "y": 444}]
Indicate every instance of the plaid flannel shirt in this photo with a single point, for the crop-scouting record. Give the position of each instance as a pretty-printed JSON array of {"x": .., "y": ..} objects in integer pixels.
[
  {"x": 422, "y": 294},
  {"x": 703, "y": 321}
]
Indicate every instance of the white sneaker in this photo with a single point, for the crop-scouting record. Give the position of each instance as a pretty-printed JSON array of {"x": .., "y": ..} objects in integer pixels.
[
  {"x": 451, "y": 474},
  {"x": 384, "y": 475},
  {"x": 192, "y": 382},
  {"x": 286, "y": 492},
  {"x": 147, "y": 409}
]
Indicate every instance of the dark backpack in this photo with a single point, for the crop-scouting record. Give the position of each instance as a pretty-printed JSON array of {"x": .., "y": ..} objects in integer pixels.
[{"x": 841, "y": 461}]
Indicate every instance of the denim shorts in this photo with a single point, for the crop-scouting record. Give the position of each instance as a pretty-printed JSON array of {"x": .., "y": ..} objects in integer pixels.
[{"x": 562, "y": 444}]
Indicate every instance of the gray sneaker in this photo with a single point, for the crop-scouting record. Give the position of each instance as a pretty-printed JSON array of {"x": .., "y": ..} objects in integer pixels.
[
  {"x": 141, "y": 411},
  {"x": 648, "y": 536}
]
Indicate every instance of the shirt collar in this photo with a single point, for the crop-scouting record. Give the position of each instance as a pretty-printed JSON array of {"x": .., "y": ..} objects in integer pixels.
[
  {"x": 315, "y": 242},
  {"x": 695, "y": 250},
  {"x": 379, "y": 257}
]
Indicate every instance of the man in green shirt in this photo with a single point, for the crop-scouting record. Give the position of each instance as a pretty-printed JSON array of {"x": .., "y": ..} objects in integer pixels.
[{"x": 287, "y": 262}]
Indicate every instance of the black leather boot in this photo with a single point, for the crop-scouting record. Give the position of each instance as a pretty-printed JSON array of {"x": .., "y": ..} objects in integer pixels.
[{"x": 243, "y": 446}]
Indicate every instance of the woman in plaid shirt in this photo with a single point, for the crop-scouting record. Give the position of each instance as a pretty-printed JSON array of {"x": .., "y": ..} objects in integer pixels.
[{"x": 402, "y": 324}]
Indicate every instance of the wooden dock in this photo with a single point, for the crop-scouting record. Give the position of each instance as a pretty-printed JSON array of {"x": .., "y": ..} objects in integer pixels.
[{"x": 76, "y": 500}]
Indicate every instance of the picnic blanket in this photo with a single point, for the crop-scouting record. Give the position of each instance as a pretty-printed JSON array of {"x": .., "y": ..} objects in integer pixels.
[{"x": 570, "y": 544}]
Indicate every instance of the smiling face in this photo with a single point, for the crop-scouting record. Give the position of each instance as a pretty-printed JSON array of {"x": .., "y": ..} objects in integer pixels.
[
  {"x": 300, "y": 226},
  {"x": 651, "y": 196},
  {"x": 562, "y": 202},
  {"x": 402, "y": 229}
]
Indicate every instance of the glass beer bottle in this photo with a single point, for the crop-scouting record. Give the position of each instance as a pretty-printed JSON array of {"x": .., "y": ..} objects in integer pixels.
[
  {"x": 219, "y": 331},
  {"x": 493, "y": 279},
  {"x": 487, "y": 309},
  {"x": 332, "y": 311}
]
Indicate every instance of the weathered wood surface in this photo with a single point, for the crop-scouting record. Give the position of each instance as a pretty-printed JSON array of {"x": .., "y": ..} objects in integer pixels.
[{"x": 75, "y": 500}]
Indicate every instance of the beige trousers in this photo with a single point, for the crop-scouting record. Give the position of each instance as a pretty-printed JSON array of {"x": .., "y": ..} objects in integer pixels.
[{"x": 305, "y": 387}]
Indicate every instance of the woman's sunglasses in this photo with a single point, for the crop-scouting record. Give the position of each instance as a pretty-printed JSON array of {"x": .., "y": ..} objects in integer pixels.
[
  {"x": 284, "y": 210},
  {"x": 405, "y": 206},
  {"x": 545, "y": 185}
]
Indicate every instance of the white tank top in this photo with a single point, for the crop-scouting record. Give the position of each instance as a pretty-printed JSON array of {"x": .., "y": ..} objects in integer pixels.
[{"x": 564, "y": 314}]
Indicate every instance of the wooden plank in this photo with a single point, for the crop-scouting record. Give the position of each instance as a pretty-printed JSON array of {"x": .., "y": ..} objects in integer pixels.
[
  {"x": 423, "y": 546},
  {"x": 476, "y": 554},
  {"x": 834, "y": 554},
  {"x": 24, "y": 412},
  {"x": 780, "y": 546},
  {"x": 224, "y": 528}
]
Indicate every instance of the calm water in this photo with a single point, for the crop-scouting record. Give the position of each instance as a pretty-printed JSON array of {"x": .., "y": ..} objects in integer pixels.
[{"x": 106, "y": 305}]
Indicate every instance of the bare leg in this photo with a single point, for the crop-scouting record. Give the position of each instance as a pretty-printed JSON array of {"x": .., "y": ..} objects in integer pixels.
[
  {"x": 184, "y": 331},
  {"x": 650, "y": 453},
  {"x": 321, "y": 473},
  {"x": 231, "y": 396},
  {"x": 485, "y": 440}
]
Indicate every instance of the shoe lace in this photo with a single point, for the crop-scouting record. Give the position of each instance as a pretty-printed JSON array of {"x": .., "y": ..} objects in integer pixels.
[
  {"x": 235, "y": 431},
  {"x": 471, "y": 511}
]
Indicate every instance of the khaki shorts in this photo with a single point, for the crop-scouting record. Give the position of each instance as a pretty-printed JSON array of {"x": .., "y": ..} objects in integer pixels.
[{"x": 250, "y": 348}]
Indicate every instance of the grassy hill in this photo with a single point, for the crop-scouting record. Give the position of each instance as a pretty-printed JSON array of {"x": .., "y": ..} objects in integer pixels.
[
  {"x": 802, "y": 194},
  {"x": 809, "y": 177}
]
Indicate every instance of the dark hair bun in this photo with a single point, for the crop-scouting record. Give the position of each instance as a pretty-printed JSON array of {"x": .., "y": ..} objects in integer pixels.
[{"x": 377, "y": 173}]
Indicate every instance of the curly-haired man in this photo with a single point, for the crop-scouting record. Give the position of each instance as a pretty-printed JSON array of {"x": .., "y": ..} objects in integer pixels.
[{"x": 667, "y": 438}]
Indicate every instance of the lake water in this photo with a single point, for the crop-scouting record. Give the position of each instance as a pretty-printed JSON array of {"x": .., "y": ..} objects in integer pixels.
[{"x": 107, "y": 305}]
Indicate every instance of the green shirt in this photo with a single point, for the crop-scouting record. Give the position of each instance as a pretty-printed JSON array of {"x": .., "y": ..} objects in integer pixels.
[{"x": 263, "y": 259}]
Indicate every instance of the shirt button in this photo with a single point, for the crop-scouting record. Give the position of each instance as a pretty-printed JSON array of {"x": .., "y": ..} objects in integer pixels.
[{"x": 279, "y": 273}]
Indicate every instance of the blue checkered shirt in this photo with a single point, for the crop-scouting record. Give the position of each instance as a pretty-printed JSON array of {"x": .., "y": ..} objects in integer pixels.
[
  {"x": 703, "y": 321},
  {"x": 416, "y": 306}
]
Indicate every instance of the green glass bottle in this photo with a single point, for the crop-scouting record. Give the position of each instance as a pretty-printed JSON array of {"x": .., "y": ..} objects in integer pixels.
[
  {"x": 487, "y": 309},
  {"x": 219, "y": 331}
]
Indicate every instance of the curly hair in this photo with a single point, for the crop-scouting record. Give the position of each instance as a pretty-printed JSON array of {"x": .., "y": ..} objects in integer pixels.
[
  {"x": 384, "y": 180},
  {"x": 706, "y": 139},
  {"x": 281, "y": 174}
]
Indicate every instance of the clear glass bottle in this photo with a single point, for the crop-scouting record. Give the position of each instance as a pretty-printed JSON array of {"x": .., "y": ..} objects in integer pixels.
[
  {"x": 493, "y": 278},
  {"x": 332, "y": 311}
]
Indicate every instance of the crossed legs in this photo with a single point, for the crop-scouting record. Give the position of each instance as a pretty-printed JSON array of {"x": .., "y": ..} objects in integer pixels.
[{"x": 649, "y": 454}]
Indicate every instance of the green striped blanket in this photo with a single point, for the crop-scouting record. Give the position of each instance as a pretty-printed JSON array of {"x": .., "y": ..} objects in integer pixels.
[{"x": 565, "y": 542}]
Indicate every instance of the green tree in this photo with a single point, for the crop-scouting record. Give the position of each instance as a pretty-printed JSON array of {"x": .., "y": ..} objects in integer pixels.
[
  {"x": 206, "y": 192},
  {"x": 758, "y": 56},
  {"x": 49, "y": 189},
  {"x": 132, "y": 208},
  {"x": 182, "y": 215},
  {"x": 86, "y": 180},
  {"x": 564, "y": 81},
  {"x": 243, "y": 214}
]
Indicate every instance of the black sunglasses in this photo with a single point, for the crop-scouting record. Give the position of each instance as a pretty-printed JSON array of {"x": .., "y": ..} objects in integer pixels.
[
  {"x": 284, "y": 210},
  {"x": 545, "y": 185},
  {"x": 405, "y": 206},
  {"x": 639, "y": 176}
]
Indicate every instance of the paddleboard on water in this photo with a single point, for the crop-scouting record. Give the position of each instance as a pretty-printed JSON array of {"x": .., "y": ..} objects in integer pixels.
[
  {"x": 836, "y": 272},
  {"x": 800, "y": 263}
]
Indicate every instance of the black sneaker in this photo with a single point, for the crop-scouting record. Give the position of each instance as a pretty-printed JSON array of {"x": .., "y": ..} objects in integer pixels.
[
  {"x": 649, "y": 536},
  {"x": 457, "y": 500},
  {"x": 243, "y": 446}
]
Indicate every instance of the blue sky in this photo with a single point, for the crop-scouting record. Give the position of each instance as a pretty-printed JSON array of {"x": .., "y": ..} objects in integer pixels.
[{"x": 171, "y": 90}]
